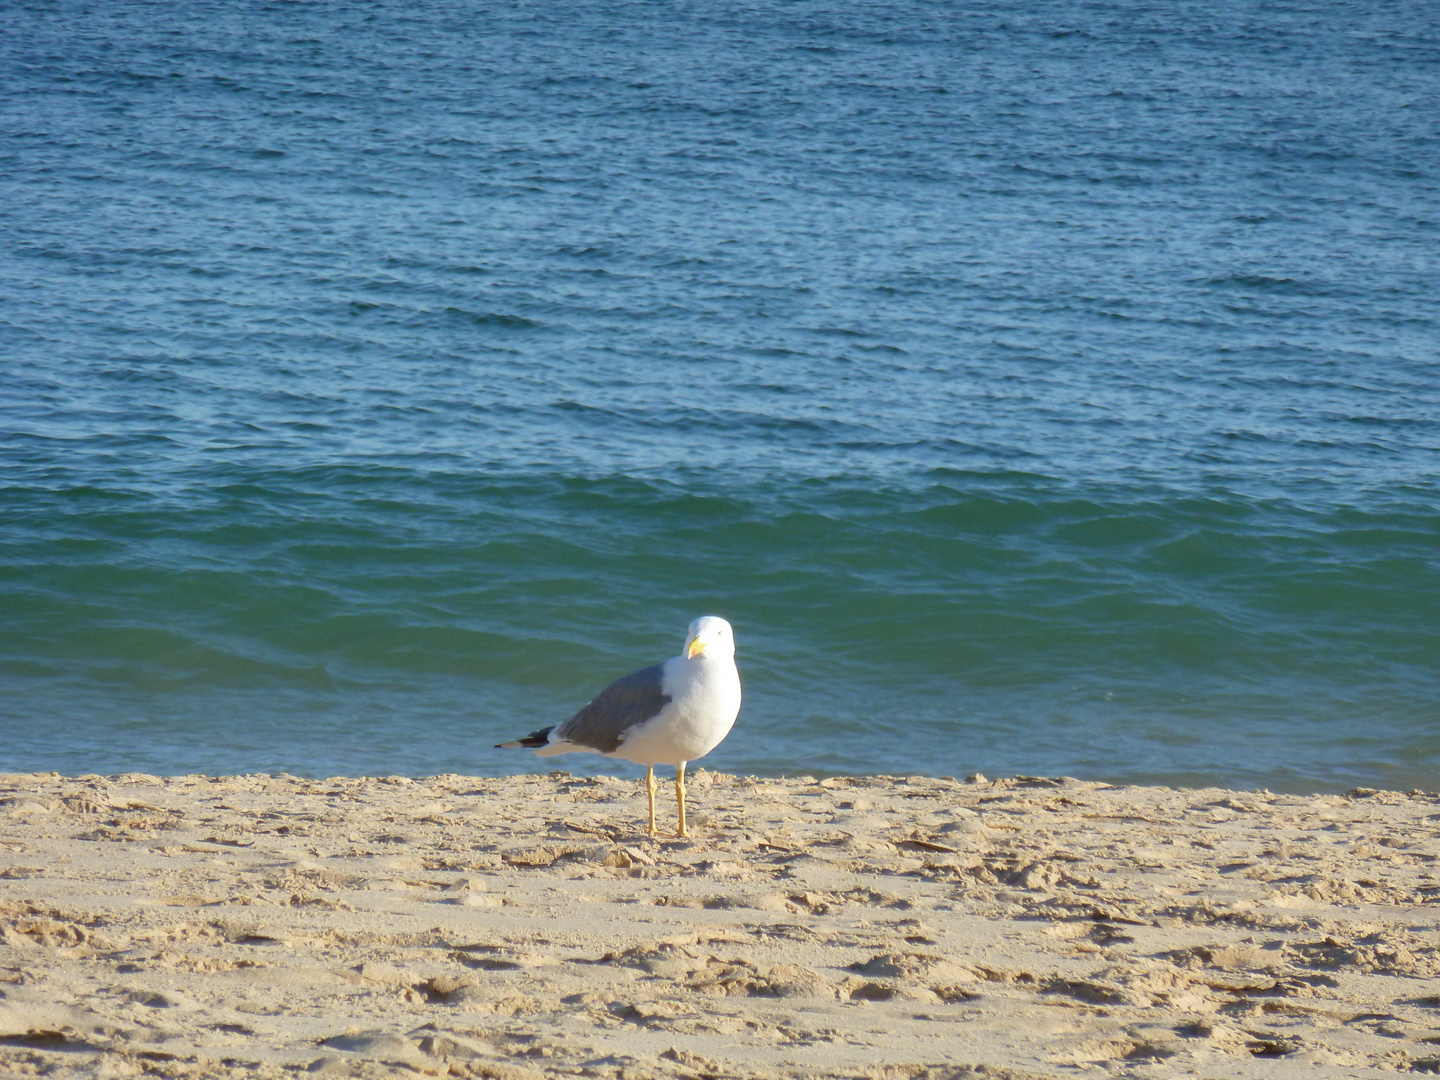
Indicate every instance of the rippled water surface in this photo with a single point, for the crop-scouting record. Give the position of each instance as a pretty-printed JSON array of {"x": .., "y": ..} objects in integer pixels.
[{"x": 1042, "y": 388}]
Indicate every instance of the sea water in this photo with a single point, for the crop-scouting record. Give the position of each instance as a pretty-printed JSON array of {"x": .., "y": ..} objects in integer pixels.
[{"x": 1038, "y": 388}]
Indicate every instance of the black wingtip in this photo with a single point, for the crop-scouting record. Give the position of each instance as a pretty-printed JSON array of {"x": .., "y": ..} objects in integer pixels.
[{"x": 533, "y": 741}]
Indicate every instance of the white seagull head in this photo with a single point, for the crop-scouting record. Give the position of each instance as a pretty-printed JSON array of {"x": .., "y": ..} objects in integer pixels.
[{"x": 709, "y": 636}]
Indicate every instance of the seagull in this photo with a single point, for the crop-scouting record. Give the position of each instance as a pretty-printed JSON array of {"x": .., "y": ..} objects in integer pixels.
[{"x": 668, "y": 714}]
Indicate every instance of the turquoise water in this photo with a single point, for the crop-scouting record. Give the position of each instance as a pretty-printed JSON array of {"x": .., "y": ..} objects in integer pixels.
[{"x": 1038, "y": 390}]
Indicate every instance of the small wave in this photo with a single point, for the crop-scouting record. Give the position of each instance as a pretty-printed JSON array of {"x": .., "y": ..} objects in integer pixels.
[
  {"x": 1278, "y": 286},
  {"x": 497, "y": 319}
]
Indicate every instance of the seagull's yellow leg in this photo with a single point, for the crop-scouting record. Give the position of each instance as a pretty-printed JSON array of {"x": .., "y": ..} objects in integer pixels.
[
  {"x": 680, "y": 797},
  {"x": 650, "y": 787}
]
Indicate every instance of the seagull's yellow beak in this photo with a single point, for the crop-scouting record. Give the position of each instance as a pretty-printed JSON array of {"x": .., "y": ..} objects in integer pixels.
[{"x": 696, "y": 647}]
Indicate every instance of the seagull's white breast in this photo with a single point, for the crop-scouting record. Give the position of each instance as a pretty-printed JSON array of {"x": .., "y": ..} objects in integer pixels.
[{"x": 704, "y": 697}]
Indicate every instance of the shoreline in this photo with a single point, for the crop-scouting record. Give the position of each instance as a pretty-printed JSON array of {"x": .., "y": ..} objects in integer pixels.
[{"x": 879, "y": 927}]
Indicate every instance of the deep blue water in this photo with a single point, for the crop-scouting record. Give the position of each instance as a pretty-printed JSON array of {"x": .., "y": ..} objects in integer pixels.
[{"x": 1042, "y": 388}]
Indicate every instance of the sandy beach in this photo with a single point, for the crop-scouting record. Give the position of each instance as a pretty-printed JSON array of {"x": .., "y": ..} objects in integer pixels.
[{"x": 875, "y": 927}]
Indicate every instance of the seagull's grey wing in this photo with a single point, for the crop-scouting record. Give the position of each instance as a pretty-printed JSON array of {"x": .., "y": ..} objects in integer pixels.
[{"x": 627, "y": 701}]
